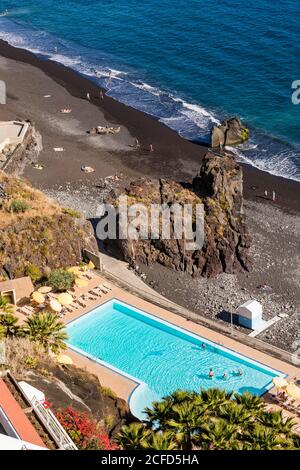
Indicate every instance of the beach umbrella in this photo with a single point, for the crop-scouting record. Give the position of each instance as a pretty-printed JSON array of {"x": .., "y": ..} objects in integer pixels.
[
  {"x": 280, "y": 382},
  {"x": 64, "y": 359},
  {"x": 293, "y": 391},
  {"x": 65, "y": 299},
  {"x": 45, "y": 289},
  {"x": 81, "y": 282},
  {"x": 74, "y": 270},
  {"x": 91, "y": 265},
  {"x": 38, "y": 298},
  {"x": 55, "y": 305}
]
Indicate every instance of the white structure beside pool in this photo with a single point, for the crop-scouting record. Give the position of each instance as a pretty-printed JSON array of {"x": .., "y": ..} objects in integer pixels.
[{"x": 250, "y": 314}]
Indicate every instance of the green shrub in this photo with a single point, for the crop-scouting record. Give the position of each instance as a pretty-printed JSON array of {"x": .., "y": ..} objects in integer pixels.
[
  {"x": 107, "y": 392},
  {"x": 33, "y": 272},
  {"x": 30, "y": 362},
  {"x": 18, "y": 205},
  {"x": 61, "y": 280},
  {"x": 71, "y": 212}
]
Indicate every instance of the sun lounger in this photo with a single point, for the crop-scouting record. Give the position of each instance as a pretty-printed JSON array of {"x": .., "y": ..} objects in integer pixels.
[
  {"x": 105, "y": 291},
  {"x": 23, "y": 311},
  {"x": 106, "y": 286}
]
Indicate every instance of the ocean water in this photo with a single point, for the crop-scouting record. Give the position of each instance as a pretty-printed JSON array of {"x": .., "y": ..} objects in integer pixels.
[
  {"x": 161, "y": 357},
  {"x": 188, "y": 63}
]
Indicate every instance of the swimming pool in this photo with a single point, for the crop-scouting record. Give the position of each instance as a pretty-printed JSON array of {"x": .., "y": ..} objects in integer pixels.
[{"x": 159, "y": 356}]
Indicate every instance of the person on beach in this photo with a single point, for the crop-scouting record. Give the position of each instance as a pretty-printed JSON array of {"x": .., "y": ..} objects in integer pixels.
[
  {"x": 137, "y": 144},
  {"x": 151, "y": 149},
  {"x": 211, "y": 374},
  {"x": 88, "y": 96},
  {"x": 101, "y": 95}
]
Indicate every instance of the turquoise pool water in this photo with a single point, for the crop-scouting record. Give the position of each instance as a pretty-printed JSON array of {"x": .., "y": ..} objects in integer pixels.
[{"x": 161, "y": 356}]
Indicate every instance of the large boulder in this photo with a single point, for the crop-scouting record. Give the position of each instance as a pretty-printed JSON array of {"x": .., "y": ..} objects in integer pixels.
[
  {"x": 229, "y": 132},
  {"x": 218, "y": 187}
]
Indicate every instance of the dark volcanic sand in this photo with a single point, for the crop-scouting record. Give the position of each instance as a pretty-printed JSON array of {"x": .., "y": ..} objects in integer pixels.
[
  {"x": 275, "y": 232},
  {"x": 173, "y": 157}
]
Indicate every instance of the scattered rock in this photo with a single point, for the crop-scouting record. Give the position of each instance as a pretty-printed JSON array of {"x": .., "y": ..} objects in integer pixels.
[{"x": 229, "y": 132}]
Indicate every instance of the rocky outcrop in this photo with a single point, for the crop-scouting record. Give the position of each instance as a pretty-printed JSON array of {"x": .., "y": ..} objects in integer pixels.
[
  {"x": 229, "y": 132},
  {"x": 35, "y": 233},
  {"x": 218, "y": 187},
  {"x": 66, "y": 386}
]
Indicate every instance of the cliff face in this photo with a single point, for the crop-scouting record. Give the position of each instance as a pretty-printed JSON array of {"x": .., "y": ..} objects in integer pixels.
[
  {"x": 37, "y": 233},
  {"x": 218, "y": 186},
  {"x": 70, "y": 386}
]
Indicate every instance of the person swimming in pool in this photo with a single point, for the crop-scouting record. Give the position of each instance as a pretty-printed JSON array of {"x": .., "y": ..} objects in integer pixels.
[
  {"x": 239, "y": 372},
  {"x": 211, "y": 373},
  {"x": 203, "y": 346},
  {"x": 225, "y": 376}
]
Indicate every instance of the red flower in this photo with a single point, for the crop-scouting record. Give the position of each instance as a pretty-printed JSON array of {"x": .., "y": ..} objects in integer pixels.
[{"x": 84, "y": 430}]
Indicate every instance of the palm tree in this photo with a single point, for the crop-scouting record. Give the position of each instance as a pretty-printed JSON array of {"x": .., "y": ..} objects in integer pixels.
[
  {"x": 263, "y": 438},
  {"x": 251, "y": 402},
  {"x": 159, "y": 414},
  {"x": 276, "y": 421},
  {"x": 213, "y": 398},
  {"x": 133, "y": 437},
  {"x": 5, "y": 306},
  {"x": 214, "y": 419},
  {"x": 9, "y": 324},
  {"x": 180, "y": 396},
  {"x": 47, "y": 330},
  {"x": 185, "y": 421},
  {"x": 235, "y": 414},
  {"x": 296, "y": 441},
  {"x": 160, "y": 441},
  {"x": 217, "y": 434}
]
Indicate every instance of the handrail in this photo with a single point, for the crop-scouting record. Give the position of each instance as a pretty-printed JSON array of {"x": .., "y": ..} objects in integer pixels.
[{"x": 53, "y": 425}]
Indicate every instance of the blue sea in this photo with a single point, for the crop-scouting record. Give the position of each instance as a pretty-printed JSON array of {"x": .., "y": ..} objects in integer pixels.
[{"x": 188, "y": 63}]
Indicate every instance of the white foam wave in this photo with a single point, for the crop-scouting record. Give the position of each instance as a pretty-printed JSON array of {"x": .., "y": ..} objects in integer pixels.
[
  {"x": 148, "y": 88},
  {"x": 278, "y": 164},
  {"x": 190, "y": 120}
]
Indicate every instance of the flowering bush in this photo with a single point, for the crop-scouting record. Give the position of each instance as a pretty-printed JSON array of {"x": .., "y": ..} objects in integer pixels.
[{"x": 86, "y": 432}]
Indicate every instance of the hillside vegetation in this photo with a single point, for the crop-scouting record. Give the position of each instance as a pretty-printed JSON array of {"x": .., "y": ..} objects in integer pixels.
[{"x": 36, "y": 234}]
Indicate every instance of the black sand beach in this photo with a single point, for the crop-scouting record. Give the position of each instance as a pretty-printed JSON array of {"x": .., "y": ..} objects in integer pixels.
[
  {"x": 173, "y": 156},
  {"x": 274, "y": 226}
]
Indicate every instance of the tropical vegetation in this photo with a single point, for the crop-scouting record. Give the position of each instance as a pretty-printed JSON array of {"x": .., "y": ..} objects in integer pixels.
[
  {"x": 45, "y": 329},
  {"x": 212, "y": 420},
  {"x": 84, "y": 430},
  {"x": 61, "y": 280},
  {"x": 5, "y": 306},
  {"x": 9, "y": 324}
]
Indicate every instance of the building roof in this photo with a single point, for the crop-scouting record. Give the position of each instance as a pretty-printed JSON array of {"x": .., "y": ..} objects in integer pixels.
[
  {"x": 17, "y": 417},
  {"x": 251, "y": 308},
  {"x": 22, "y": 287}
]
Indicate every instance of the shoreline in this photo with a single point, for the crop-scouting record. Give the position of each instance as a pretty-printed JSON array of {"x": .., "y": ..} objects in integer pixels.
[
  {"x": 275, "y": 232},
  {"x": 174, "y": 157}
]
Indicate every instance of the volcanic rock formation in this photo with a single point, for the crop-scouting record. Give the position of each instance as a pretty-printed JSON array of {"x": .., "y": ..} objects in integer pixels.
[{"x": 218, "y": 187}]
